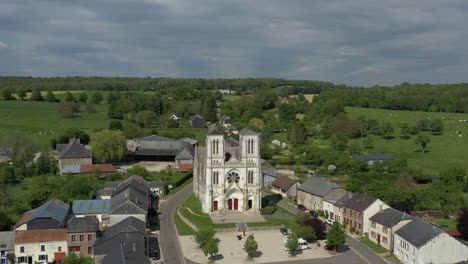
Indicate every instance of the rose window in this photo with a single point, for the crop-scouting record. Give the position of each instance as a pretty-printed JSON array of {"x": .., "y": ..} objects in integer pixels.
[{"x": 233, "y": 177}]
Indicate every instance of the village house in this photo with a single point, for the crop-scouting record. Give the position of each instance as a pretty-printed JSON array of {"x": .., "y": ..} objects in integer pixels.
[
  {"x": 384, "y": 224},
  {"x": 285, "y": 186},
  {"x": 128, "y": 203},
  {"x": 338, "y": 207},
  {"x": 40, "y": 245},
  {"x": 311, "y": 192},
  {"x": 373, "y": 158},
  {"x": 198, "y": 122},
  {"x": 72, "y": 155},
  {"x": 82, "y": 233},
  {"x": 51, "y": 215},
  {"x": 268, "y": 173},
  {"x": 419, "y": 242},
  {"x": 7, "y": 245},
  {"x": 96, "y": 208},
  {"x": 357, "y": 211},
  {"x": 329, "y": 201},
  {"x": 225, "y": 121}
]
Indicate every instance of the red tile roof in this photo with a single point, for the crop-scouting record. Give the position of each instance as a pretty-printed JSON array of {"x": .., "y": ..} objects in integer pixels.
[
  {"x": 24, "y": 218},
  {"x": 42, "y": 235},
  {"x": 103, "y": 168},
  {"x": 185, "y": 167}
]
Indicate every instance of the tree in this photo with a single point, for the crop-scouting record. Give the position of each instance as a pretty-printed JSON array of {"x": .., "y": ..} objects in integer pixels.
[
  {"x": 11, "y": 258},
  {"x": 108, "y": 145},
  {"x": 21, "y": 94},
  {"x": 318, "y": 226},
  {"x": 292, "y": 243},
  {"x": 5, "y": 221},
  {"x": 115, "y": 125},
  {"x": 146, "y": 118},
  {"x": 90, "y": 107},
  {"x": 422, "y": 140},
  {"x": 387, "y": 130},
  {"x": 462, "y": 223},
  {"x": 68, "y": 109},
  {"x": 354, "y": 147},
  {"x": 306, "y": 232},
  {"x": 336, "y": 235},
  {"x": 76, "y": 259},
  {"x": 404, "y": 130},
  {"x": 83, "y": 97},
  {"x": 50, "y": 97},
  {"x": 96, "y": 98},
  {"x": 203, "y": 236},
  {"x": 36, "y": 95},
  {"x": 298, "y": 134},
  {"x": 368, "y": 142},
  {"x": 436, "y": 126},
  {"x": 210, "y": 248},
  {"x": 339, "y": 141},
  {"x": 250, "y": 246},
  {"x": 301, "y": 217},
  {"x": 7, "y": 94},
  {"x": 69, "y": 97}
]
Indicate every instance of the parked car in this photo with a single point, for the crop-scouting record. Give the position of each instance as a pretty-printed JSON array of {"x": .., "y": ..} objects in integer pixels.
[
  {"x": 329, "y": 221},
  {"x": 301, "y": 207},
  {"x": 155, "y": 255},
  {"x": 302, "y": 244},
  {"x": 284, "y": 230},
  {"x": 313, "y": 213},
  {"x": 327, "y": 247}
]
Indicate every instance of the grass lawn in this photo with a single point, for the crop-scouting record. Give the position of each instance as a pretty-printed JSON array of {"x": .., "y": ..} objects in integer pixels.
[
  {"x": 445, "y": 151},
  {"x": 446, "y": 224},
  {"x": 275, "y": 222},
  {"x": 41, "y": 122},
  {"x": 283, "y": 212},
  {"x": 376, "y": 248},
  {"x": 182, "y": 227}
]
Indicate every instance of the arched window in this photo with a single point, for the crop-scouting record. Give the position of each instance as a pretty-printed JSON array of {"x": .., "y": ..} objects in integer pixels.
[
  {"x": 215, "y": 177},
  {"x": 233, "y": 177},
  {"x": 250, "y": 176}
]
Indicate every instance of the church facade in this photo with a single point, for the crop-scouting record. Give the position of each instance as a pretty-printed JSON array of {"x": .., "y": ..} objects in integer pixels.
[{"x": 227, "y": 176}]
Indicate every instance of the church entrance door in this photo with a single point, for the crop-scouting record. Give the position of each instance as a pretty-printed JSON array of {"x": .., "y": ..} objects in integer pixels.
[
  {"x": 249, "y": 206},
  {"x": 230, "y": 204},
  {"x": 236, "y": 204},
  {"x": 215, "y": 206}
]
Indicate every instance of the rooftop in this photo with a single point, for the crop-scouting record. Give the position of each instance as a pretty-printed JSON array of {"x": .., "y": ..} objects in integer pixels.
[
  {"x": 87, "y": 224},
  {"x": 317, "y": 186},
  {"x": 45, "y": 235},
  {"x": 390, "y": 217},
  {"x": 359, "y": 202},
  {"x": 284, "y": 183},
  {"x": 91, "y": 206},
  {"x": 7, "y": 241},
  {"x": 73, "y": 150},
  {"x": 418, "y": 232}
]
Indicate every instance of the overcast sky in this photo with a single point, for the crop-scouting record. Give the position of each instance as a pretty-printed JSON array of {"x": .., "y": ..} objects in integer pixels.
[{"x": 356, "y": 42}]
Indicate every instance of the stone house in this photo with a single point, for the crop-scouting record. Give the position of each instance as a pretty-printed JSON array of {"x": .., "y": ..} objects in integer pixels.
[
  {"x": 82, "y": 234},
  {"x": 72, "y": 155},
  {"x": 384, "y": 224},
  {"x": 329, "y": 201},
  {"x": 285, "y": 186},
  {"x": 311, "y": 192},
  {"x": 7, "y": 245}
]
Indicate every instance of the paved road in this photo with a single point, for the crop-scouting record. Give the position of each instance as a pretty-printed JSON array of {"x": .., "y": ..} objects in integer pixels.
[{"x": 170, "y": 247}]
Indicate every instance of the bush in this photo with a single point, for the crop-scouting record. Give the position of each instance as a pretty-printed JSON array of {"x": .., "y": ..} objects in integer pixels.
[
  {"x": 352, "y": 230},
  {"x": 320, "y": 213},
  {"x": 269, "y": 210}
]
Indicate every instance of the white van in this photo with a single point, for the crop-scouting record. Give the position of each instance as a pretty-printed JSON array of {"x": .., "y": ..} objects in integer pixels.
[{"x": 302, "y": 244}]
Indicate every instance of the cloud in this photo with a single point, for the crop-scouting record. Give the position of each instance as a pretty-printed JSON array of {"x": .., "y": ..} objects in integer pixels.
[{"x": 361, "y": 42}]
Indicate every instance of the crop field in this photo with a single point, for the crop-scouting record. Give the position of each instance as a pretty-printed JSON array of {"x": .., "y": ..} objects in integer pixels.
[{"x": 445, "y": 151}]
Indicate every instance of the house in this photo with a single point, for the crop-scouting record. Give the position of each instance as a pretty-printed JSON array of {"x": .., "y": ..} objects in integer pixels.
[
  {"x": 311, "y": 192},
  {"x": 285, "y": 186},
  {"x": 5, "y": 154},
  {"x": 198, "y": 122},
  {"x": 7, "y": 245},
  {"x": 96, "y": 208},
  {"x": 419, "y": 242},
  {"x": 72, "y": 155},
  {"x": 160, "y": 148},
  {"x": 113, "y": 188},
  {"x": 276, "y": 142},
  {"x": 225, "y": 121},
  {"x": 176, "y": 116},
  {"x": 122, "y": 243},
  {"x": 82, "y": 232},
  {"x": 384, "y": 224},
  {"x": 373, "y": 158},
  {"x": 51, "y": 215},
  {"x": 102, "y": 169},
  {"x": 329, "y": 201},
  {"x": 157, "y": 188},
  {"x": 40, "y": 245},
  {"x": 268, "y": 172},
  {"x": 128, "y": 203},
  {"x": 228, "y": 177},
  {"x": 338, "y": 207},
  {"x": 358, "y": 209}
]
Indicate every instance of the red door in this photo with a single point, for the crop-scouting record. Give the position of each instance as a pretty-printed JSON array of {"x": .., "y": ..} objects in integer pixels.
[
  {"x": 215, "y": 206},
  {"x": 378, "y": 239},
  {"x": 236, "y": 204},
  {"x": 230, "y": 204}
]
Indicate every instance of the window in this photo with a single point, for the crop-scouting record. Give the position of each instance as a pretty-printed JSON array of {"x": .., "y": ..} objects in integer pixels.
[
  {"x": 2, "y": 253},
  {"x": 81, "y": 237},
  {"x": 360, "y": 226},
  {"x": 373, "y": 235},
  {"x": 215, "y": 177},
  {"x": 59, "y": 249},
  {"x": 73, "y": 238},
  {"x": 250, "y": 146},
  {"x": 2, "y": 261},
  {"x": 90, "y": 250},
  {"x": 42, "y": 257},
  {"x": 215, "y": 146},
  {"x": 90, "y": 237},
  {"x": 42, "y": 247},
  {"x": 22, "y": 260},
  {"x": 404, "y": 245},
  {"x": 233, "y": 177},
  {"x": 373, "y": 224},
  {"x": 250, "y": 176},
  {"x": 385, "y": 230},
  {"x": 21, "y": 249},
  {"x": 384, "y": 240}
]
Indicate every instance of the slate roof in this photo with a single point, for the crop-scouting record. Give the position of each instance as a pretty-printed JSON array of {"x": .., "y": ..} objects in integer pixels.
[
  {"x": 186, "y": 151},
  {"x": 317, "y": 186},
  {"x": 335, "y": 195},
  {"x": 54, "y": 209},
  {"x": 123, "y": 243},
  {"x": 232, "y": 142},
  {"x": 359, "y": 202},
  {"x": 105, "y": 192},
  {"x": 284, "y": 183},
  {"x": 7, "y": 241},
  {"x": 133, "y": 182},
  {"x": 153, "y": 138},
  {"x": 342, "y": 201},
  {"x": 189, "y": 140},
  {"x": 418, "y": 232},
  {"x": 198, "y": 122},
  {"x": 390, "y": 217},
  {"x": 74, "y": 150},
  {"x": 373, "y": 156},
  {"x": 156, "y": 184},
  {"x": 129, "y": 202},
  {"x": 43, "y": 235},
  {"x": 225, "y": 119},
  {"x": 248, "y": 132},
  {"x": 214, "y": 132},
  {"x": 81, "y": 207},
  {"x": 87, "y": 224}
]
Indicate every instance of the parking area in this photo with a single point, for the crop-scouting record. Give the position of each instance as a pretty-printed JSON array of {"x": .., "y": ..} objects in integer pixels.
[{"x": 270, "y": 249}]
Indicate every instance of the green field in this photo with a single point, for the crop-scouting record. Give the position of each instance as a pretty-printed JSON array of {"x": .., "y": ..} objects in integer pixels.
[{"x": 445, "y": 151}]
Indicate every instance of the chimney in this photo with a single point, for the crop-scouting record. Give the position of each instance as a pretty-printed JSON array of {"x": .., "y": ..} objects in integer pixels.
[{"x": 380, "y": 208}]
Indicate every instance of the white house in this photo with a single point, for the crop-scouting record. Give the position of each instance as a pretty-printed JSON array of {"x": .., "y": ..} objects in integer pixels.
[
  {"x": 419, "y": 242},
  {"x": 40, "y": 245},
  {"x": 329, "y": 201}
]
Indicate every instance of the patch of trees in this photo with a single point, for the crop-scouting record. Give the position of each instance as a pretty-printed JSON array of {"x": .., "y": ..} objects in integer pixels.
[{"x": 68, "y": 134}]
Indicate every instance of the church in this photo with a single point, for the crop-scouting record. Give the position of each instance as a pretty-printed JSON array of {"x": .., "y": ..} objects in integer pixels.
[{"x": 227, "y": 175}]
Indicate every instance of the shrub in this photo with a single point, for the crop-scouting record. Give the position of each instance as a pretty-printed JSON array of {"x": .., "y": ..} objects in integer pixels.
[
  {"x": 320, "y": 213},
  {"x": 269, "y": 210}
]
